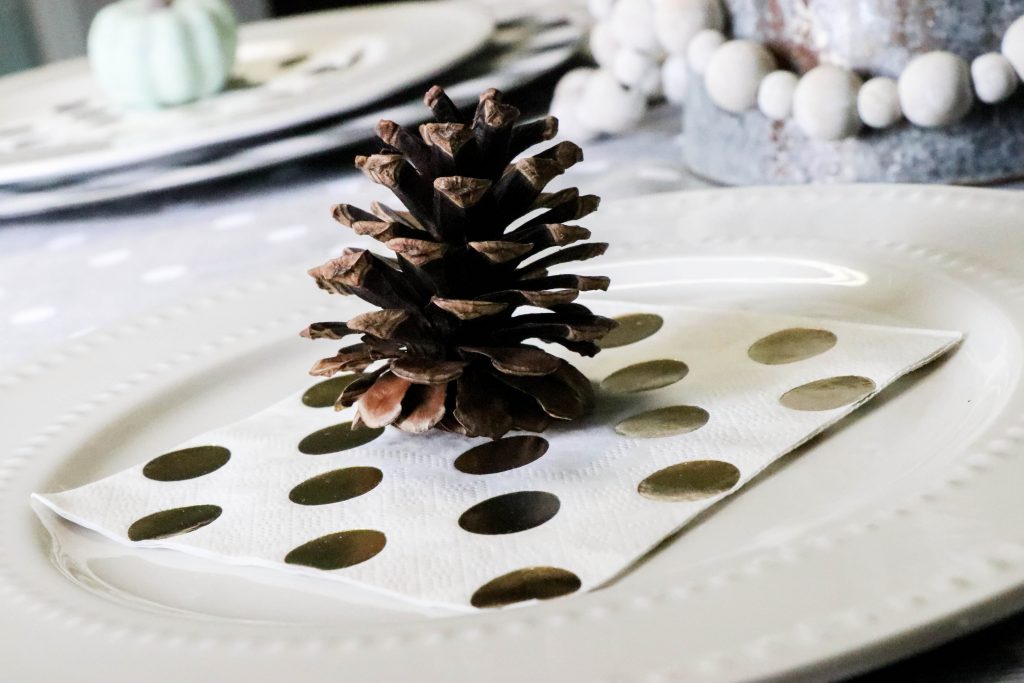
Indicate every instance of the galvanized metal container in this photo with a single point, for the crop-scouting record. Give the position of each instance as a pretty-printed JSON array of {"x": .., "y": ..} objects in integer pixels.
[{"x": 872, "y": 37}]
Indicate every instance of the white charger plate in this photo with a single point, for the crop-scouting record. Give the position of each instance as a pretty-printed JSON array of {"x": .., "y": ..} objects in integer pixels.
[
  {"x": 297, "y": 70},
  {"x": 897, "y": 530}
]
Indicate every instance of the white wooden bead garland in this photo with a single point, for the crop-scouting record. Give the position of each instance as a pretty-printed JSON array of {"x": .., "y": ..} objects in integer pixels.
[
  {"x": 655, "y": 47},
  {"x": 641, "y": 49}
]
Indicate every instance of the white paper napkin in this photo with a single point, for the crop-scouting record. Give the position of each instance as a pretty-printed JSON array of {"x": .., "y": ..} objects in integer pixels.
[{"x": 414, "y": 516}]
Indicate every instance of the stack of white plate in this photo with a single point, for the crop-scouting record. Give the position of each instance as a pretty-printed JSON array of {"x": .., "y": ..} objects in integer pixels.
[{"x": 304, "y": 85}]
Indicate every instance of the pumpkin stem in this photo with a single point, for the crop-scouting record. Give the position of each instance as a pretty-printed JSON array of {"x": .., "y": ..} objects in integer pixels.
[{"x": 160, "y": 4}]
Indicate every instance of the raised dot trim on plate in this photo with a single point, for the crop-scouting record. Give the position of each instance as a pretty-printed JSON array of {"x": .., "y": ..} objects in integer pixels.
[
  {"x": 173, "y": 522},
  {"x": 661, "y": 422},
  {"x": 336, "y": 486},
  {"x": 337, "y": 438},
  {"x": 510, "y": 513},
  {"x": 325, "y": 394},
  {"x": 338, "y": 550},
  {"x": 631, "y": 329},
  {"x": 530, "y": 583},
  {"x": 828, "y": 394},
  {"x": 792, "y": 345},
  {"x": 690, "y": 481},
  {"x": 187, "y": 463},
  {"x": 502, "y": 455},
  {"x": 646, "y": 376}
]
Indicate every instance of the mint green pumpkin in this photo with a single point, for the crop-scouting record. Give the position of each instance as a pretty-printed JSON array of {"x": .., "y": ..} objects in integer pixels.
[{"x": 159, "y": 53}]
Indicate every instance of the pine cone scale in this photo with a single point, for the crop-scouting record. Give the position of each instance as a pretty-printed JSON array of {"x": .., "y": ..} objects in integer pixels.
[
  {"x": 557, "y": 398},
  {"x": 480, "y": 407},
  {"x": 356, "y": 388},
  {"x": 522, "y": 360},
  {"x": 357, "y": 357},
  {"x": 422, "y": 408},
  {"x": 384, "y": 323},
  {"x": 464, "y": 309},
  {"x": 326, "y": 330},
  {"x": 427, "y": 370},
  {"x": 381, "y": 404}
]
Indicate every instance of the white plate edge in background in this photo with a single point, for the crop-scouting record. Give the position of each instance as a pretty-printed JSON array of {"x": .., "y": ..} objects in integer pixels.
[
  {"x": 467, "y": 27},
  {"x": 98, "y": 189}
]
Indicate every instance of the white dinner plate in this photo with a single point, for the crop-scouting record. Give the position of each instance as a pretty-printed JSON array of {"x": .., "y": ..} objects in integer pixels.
[
  {"x": 519, "y": 51},
  {"x": 894, "y": 531},
  {"x": 290, "y": 71}
]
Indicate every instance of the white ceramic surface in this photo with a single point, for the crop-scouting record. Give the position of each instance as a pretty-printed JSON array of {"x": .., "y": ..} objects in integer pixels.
[
  {"x": 520, "y": 52},
  {"x": 296, "y": 70},
  {"x": 896, "y": 530}
]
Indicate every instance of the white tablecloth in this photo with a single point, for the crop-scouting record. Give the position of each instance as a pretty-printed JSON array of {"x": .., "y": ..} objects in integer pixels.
[{"x": 63, "y": 277}]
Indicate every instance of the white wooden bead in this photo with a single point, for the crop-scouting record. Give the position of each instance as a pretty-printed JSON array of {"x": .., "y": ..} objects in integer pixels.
[
  {"x": 994, "y": 78},
  {"x": 878, "y": 103},
  {"x": 650, "y": 85},
  {"x": 935, "y": 89},
  {"x": 825, "y": 103},
  {"x": 565, "y": 104},
  {"x": 702, "y": 48},
  {"x": 606, "y": 106},
  {"x": 775, "y": 95},
  {"x": 571, "y": 84},
  {"x": 632, "y": 23},
  {"x": 636, "y": 70},
  {"x": 567, "y": 110},
  {"x": 603, "y": 44},
  {"x": 675, "y": 77},
  {"x": 1013, "y": 46},
  {"x": 676, "y": 22},
  {"x": 600, "y": 9},
  {"x": 735, "y": 72}
]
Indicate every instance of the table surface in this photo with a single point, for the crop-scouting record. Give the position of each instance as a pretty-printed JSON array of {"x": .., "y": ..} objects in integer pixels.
[{"x": 63, "y": 277}]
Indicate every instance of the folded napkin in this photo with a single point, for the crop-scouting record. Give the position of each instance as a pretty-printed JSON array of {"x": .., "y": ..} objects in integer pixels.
[{"x": 692, "y": 404}]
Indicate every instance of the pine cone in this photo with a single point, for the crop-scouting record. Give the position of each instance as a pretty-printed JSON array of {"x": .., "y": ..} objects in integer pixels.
[{"x": 446, "y": 349}]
